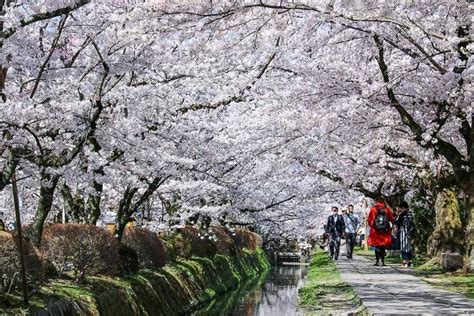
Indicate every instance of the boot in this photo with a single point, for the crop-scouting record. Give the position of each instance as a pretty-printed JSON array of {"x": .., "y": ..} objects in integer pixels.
[{"x": 376, "y": 259}]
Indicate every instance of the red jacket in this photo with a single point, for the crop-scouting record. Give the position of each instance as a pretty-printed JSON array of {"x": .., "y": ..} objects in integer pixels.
[{"x": 379, "y": 238}]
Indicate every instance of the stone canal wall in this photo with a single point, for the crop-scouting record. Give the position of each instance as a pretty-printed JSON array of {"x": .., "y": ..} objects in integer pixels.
[{"x": 178, "y": 288}]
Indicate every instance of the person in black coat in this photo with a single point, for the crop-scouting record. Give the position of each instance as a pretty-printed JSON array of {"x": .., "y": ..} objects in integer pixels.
[
  {"x": 335, "y": 228},
  {"x": 404, "y": 229}
]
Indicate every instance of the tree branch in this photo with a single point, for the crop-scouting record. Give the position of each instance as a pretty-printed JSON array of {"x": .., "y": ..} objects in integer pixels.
[
  {"x": 398, "y": 155},
  {"x": 236, "y": 98},
  {"x": 152, "y": 187},
  {"x": 272, "y": 205},
  {"x": 43, "y": 16},
  {"x": 440, "y": 147},
  {"x": 51, "y": 51},
  {"x": 428, "y": 56}
]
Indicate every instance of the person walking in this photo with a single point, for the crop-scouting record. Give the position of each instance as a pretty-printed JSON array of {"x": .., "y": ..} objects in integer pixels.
[
  {"x": 335, "y": 228},
  {"x": 351, "y": 223},
  {"x": 342, "y": 246},
  {"x": 380, "y": 220},
  {"x": 404, "y": 228}
]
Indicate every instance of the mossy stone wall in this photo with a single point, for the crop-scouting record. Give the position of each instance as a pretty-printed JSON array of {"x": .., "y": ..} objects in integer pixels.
[{"x": 176, "y": 289}]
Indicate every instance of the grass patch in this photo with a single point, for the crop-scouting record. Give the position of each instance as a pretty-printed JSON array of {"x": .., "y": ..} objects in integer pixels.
[
  {"x": 325, "y": 291},
  {"x": 429, "y": 268},
  {"x": 454, "y": 282}
]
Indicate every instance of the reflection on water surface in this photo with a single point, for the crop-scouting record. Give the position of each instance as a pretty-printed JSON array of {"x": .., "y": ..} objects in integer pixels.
[{"x": 272, "y": 294}]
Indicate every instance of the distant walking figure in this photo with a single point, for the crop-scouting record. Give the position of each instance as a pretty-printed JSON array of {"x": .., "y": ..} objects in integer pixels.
[
  {"x": 335, "y": 228},
  {"x": 404, "y": 226},
  {"x": 351, "y": 222},
  {"x": 380, "y": 220}
]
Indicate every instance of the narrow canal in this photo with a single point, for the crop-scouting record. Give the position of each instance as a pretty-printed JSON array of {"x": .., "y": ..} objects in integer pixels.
[{"x": 271, "y": 294}]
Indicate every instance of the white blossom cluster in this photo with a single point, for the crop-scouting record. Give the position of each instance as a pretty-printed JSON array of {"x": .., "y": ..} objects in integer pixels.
[{"x": 265, "y": 112}]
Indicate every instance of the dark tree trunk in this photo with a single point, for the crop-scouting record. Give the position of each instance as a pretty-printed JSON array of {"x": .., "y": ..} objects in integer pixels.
[
  {"x": 7, "y": 171},
  {"x": 126, "y": 208},
  {"x": 73, "y": 205},
  {"x": 48, "y": 186},
  {"x": 124, "y": 211},
  {"x": 93, "y": 202}
]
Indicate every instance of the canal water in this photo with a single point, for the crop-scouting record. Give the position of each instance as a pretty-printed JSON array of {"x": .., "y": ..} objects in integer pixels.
[{"x": 274, "y": 293}]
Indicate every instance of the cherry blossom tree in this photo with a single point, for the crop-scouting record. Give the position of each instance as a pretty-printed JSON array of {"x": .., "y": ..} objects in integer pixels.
[{"x": 260, "y": 112}]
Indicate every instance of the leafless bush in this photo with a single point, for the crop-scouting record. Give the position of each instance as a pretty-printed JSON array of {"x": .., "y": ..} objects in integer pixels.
[
  {"x": 222, "y": 239},
  {"x": 176, "y": 247},
  {"x": 82, "y": 249},
  {"x": 247, "y": 239},
  {"x": 148, "y": 245},
  {"x": 10, "y": 278},
  {"x": 201, "y": 245}
]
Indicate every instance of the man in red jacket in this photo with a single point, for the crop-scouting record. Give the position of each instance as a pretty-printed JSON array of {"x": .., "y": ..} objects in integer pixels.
[{"x": 380, "y": 220}]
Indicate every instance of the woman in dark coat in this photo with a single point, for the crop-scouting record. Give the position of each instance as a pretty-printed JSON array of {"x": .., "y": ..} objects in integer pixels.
[
  {"x": 380, "y": 238},
  {"x": 405, "y": 228}
]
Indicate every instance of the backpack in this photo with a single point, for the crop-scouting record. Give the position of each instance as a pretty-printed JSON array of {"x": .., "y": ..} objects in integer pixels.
[{"x": 381, "y": 222}]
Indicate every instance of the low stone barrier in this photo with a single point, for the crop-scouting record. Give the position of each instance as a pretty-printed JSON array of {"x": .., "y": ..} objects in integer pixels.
[{"x": 175, "y": 289}]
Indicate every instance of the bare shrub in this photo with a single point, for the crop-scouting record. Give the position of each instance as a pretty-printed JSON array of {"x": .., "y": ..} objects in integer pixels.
[
  {"x": 176, "y": 247},
  {"x": 246, "y": 239},
  {"x": 81, "y": 249},
  {"x": 148, "y": 245},
  {"x": 201, "y": 245},
  {"x": 128, "y": 259},
  {"x": 223, "y": 241},
  {"x": 10, "y": 278}
]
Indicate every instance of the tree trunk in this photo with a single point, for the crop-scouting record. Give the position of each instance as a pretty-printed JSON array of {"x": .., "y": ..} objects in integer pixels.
[
  {"x": 126, "y": 209},
  {"x": 48, "y": 186},
  {"x": 469, "y": 260},
  {"x": 93, "y": 204},
  {"x": 7, "y": 171},
  {"x": 469, "y": 192},
  {"x": 448, "y": 235},
  {"x": 124, "y": 212},
  {"x": 73, "y": 205}
]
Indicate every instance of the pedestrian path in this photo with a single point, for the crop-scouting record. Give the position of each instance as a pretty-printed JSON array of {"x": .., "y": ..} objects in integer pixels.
[{"x": 390, "y": 291}]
